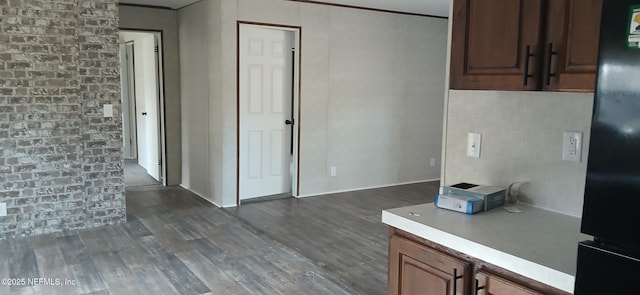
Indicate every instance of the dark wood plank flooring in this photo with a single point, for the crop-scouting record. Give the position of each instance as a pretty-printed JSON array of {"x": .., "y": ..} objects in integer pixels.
[
  {"x": 340, "y": 232},
  {"x": 175, "y": 243}
]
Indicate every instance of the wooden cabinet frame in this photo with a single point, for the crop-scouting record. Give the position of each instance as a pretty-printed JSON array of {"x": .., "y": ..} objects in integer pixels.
[
  {"x": 439, "y": 261},
  {"x": 414, "y": 267},
  {"x": 525, "y": 44}
]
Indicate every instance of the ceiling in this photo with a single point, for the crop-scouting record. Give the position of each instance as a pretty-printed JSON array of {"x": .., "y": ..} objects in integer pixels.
[{"x": 430, "y": 7}]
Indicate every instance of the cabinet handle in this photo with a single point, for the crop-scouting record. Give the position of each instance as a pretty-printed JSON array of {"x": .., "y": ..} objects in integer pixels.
[
  {"x": 550, "y": 57},
  {"x": 526, "y": 65},
  {"x": 478, "y": 288},
  {"x": 456, "y": 277}
]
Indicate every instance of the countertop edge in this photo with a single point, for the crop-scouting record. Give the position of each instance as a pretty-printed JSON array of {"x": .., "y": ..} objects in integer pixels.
[{"x": 541, "y": 273}]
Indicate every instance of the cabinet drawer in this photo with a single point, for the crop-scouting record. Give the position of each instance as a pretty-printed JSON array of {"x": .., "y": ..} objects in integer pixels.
[
  {"x": 418, "y": 269},
  {"x": 489, "y": 284}
]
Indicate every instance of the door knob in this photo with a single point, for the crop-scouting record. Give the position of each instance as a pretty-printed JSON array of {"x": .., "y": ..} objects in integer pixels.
[{"x": 289, "y": 122}]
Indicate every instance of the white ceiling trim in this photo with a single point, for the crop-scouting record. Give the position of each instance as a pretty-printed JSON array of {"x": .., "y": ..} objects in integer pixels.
[{"x": 422, "y": 7}]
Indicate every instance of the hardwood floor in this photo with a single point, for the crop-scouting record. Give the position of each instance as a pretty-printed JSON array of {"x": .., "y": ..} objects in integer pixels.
[
  {"x": 340, "y": 232},
  {"x": 135, "y": 175},
  {"x": 175, "y": 243}
]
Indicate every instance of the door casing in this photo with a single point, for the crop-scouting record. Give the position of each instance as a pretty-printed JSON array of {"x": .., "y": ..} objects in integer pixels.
[
  {"x": 161, "y": 110},
  {"x": 297, "y": 65}
]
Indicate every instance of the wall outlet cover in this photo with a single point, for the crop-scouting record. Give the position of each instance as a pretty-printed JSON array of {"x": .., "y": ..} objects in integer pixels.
[
  {"x": 572, "y": 146},
  {"x": 473, "y": 145},
  {"x": 108, "y": 110}
]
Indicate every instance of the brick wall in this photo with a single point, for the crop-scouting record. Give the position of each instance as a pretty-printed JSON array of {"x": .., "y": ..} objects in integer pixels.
[{"x": 60, "y": 160}]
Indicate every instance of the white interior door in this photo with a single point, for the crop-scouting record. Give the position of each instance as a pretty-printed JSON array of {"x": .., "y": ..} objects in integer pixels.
[
  {"x": 265, "y": 105},
  {"x": 140, "y": 101},
  {"x": 153, "y": 108},
  {"x": 146, "y": 100}
]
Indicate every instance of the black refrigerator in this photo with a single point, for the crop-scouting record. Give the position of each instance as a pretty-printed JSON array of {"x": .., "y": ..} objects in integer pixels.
[{"x": 610, "y": 263}]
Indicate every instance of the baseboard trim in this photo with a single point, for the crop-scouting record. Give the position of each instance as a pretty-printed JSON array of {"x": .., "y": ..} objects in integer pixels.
[
  {"x": 365, "y": 188},
  {"x": 203, "y": 197},
  {"x": 319, "y": 194}
]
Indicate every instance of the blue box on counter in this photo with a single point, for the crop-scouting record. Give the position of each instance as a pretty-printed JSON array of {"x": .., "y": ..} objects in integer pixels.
[
  {"x": 464, "y": 204},
  {"x": 493, "y": 196}
]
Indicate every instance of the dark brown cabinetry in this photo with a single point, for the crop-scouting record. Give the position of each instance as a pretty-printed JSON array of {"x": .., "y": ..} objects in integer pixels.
[
  {"x": 573, "y": 32},
  {"x": 525, "y": 44},
  {"x": 419, "y": 266},
  {"x": 417, "y": 269},
  {"x": 488, "y": 284}
]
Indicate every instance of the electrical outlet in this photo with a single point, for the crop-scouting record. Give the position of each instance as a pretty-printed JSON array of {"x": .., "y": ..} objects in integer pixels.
[
  {"x": 432, "y": 162},
  {"x": 3, "y": 209},
  {"x": 473, "y": 145},
  {"x": 333, "y": 171},
  {"x": 572, "y": 146}
]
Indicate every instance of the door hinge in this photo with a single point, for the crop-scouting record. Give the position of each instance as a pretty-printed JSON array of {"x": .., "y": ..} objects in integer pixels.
[
  {"x": 155, "y": 48},
  {"x": 159, "y": 162}
]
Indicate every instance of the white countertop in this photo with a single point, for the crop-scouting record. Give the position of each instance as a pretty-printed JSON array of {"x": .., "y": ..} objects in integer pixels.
[{"x": 538, "y": 244}]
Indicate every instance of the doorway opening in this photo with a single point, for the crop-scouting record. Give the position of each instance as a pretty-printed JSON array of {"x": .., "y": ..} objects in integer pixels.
[
  {"x": 142, "y": 107},
  {"x": 268, "y": 111}
]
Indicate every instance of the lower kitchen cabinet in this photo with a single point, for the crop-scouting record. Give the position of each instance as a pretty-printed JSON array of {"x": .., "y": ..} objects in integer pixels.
[
  {"x": 488, "y": 284},
  {"x": 419, "y": 266},
  {"x": 417, "y": 269}
]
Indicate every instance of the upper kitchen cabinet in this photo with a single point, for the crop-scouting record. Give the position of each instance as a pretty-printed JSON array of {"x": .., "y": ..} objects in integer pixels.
[
  {"x": 525, "y": 44},
  {"x": 494, "y": 43},
  {"x": 573, "y": 32}
]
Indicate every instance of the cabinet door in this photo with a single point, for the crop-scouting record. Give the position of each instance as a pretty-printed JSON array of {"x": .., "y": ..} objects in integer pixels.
[
  {"x": 417, "y": 269},
  {"x": 489, "y": 45},
  {"x": 493, "y": 285},
  {"x": 571, "y": 51}
]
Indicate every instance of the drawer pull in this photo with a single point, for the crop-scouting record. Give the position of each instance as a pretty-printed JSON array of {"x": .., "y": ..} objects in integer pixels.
[
  {"x": 528, "y": 56},
  {"x": 550, "y": 58},
  {"x": 478, "y": 288},
  {"x": 456, "y": 277}
]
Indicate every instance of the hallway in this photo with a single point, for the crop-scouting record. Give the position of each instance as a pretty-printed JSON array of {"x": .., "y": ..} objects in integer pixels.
[{"x": 135, "y": 175}]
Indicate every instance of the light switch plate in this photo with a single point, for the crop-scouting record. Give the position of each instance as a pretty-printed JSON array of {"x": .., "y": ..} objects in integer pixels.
[
  {"x": 473, "y": 145},
  {"x": 108, "y": 110},
  {"x": 3, "y": 209}
]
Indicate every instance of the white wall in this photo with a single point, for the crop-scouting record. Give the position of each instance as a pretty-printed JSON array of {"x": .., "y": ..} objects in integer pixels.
[
  {"x": 371, "y": 92},
  {"x": 521, "y": 141},
  {"x": 195, "y": 102},
  {"x": 165, "y": 21},
  {"x": 385, "y": 98}
]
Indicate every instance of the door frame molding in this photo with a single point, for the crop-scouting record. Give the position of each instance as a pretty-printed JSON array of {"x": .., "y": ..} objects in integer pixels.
[
  {"x": 297, "y": 71},
  {"x": 162, "y": 112}
]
